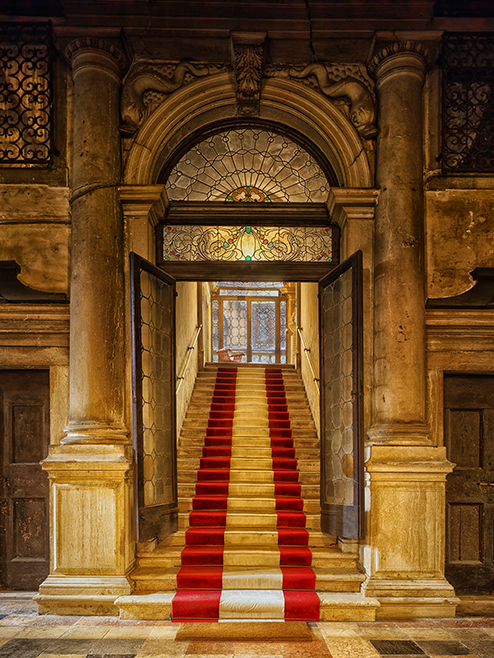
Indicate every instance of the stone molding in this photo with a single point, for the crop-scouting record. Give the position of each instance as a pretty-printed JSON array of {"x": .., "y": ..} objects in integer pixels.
[
  {"x": 398, "y": 48},
  {"x": 412, "y": 434},
  {"x": 351, "y": 203},
  {"x": 138, "y": 201},
  {"x": 91, "y": 431},
  {"x": 34, "y": 325},
  {"x": 88, "y": 45},
  {"x": 450, "y": 330}
]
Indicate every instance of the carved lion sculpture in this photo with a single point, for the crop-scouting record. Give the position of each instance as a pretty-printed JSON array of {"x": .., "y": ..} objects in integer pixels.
[{"x": 362, "y": 109}]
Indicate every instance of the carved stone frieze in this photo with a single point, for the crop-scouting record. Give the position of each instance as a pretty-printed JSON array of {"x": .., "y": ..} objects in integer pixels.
[
  {"x": 148, "y": 84},
  {"x": 248, "y": 57},
  {"x": 346, "y": 82}
]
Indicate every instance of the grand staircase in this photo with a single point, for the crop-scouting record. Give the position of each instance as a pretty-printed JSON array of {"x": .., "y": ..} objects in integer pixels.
[{"x": 249, "y": 544}]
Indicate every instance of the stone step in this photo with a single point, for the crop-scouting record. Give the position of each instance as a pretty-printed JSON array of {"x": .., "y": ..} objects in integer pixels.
[
  {"x": 310, "y": 493},
  {"x": 335, "y": 606},
  {"x": 189, "y": 476},
  {"x": 309, "y": 444},
  {"x": 195, "y": 452},
  {"x": 165, "y": 557},
  {"x": 185, "y": 504},
  {"x": 303, "y": 465},
  {"x": 313, "y": 522},
  {"x": 149, "y": 579}
]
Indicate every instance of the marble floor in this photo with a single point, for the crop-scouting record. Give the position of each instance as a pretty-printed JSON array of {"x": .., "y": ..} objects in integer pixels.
[{"x": 25, "y": 634}]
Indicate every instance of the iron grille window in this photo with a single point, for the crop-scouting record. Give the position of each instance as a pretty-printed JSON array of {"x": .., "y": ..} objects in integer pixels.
[
  {"x": 25, "y": 94},
  {"x": 468, "y": 97}
]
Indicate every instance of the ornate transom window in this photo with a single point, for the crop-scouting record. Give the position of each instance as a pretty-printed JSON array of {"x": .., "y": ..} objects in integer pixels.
[
  {"x": 247, "y": 198},
  {"x": 247, "y": 164}
]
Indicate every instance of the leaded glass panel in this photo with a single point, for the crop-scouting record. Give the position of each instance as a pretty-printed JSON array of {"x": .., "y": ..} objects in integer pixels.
[
  {"x": 341, "y": 400},
  {"x": 157, "y": 409},
  {"x": 337, "y": 305},
  {"x": 307, "y": 244},
  {"x": 153, "y": 395},
  {"x": 263, "y": 319},
  {"x": 247, "y": 164},
  {"x": 215, "y": 331},
  {"x": 283, "y": 332},
  {"x": 235, "y": 324}
]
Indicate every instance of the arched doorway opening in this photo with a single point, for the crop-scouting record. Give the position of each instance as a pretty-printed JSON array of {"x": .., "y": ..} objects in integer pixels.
[{"x": 248, "y": 205}]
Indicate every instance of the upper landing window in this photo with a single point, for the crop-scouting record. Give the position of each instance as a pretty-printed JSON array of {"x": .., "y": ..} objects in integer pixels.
[
  {"x": 468, "y": 103},
  {"x": 25, "y": 94},
  {"x": 247, "y": 165}
]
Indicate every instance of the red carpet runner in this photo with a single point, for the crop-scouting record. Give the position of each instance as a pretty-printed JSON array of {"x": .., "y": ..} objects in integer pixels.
[{"x": 246, "y": 553}]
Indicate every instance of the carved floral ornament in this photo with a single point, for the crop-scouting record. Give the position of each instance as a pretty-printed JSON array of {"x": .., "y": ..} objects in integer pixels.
[{"x": 148, "y": 84}]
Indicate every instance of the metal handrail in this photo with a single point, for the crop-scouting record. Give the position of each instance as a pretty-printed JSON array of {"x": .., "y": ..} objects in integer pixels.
[
  {"x": 307, "y": 354},
  {"x": 190, "y": 349}
]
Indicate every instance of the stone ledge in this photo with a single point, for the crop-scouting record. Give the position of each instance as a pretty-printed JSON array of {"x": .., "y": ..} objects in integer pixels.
[
  {"x": 146, "y": 606},
  {"x": 416, "y": 607},
  {"x": 347, "y": 606}
]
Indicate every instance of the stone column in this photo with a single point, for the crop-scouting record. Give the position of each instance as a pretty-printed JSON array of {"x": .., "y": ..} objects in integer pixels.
[
  {"x": 97, "y": 285},
  {"x": 399, "y": 277},
  {"x": 92, "y": 547},
  {"x": 406, "y": 471}
]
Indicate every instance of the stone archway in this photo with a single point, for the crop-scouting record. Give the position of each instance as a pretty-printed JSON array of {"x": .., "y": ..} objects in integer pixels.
[{"x": 284, "y": 102}]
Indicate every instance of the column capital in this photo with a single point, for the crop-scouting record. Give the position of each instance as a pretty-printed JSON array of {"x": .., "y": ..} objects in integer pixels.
[
  {"x": 400, "y": 57},
  {"x": 96, "y": 53}
]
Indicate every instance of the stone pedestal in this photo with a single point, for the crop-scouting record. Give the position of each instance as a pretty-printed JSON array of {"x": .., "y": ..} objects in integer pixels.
[
  {"x": 405, "y": 556},
  {"x": 92, "y": 548},
  {"x": 90, "y": 535}
]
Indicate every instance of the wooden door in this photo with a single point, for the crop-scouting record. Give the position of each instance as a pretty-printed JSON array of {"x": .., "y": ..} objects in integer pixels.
[
  {"x": 24, "y": 523},
  {"x": 469, "y": 438},
  {"x": 153, "y": 393},
  {"x": 340, "y": 299}
]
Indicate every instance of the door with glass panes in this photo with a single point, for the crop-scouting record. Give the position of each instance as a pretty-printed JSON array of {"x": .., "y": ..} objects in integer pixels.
[{"x": 249, "y": 322}]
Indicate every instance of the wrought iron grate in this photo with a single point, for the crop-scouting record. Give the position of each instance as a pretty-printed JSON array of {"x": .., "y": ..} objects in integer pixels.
[
  {"x": 468, "y": 103},
  {"x": 25, "y": 94}
]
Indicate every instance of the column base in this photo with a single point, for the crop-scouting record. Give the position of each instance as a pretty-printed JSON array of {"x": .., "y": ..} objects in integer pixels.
[
  {"x": 95, "y": 432},
  {"x": 81, "y": 595},
  {"x": 406, "y": 434}
]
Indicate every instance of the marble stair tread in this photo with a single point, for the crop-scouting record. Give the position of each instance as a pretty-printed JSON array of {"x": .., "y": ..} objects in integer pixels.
[{"x": 148, "y": 579}]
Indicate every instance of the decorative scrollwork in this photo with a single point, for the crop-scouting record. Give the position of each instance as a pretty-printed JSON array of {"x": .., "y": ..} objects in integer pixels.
[
  {"x": 247, "y": 243},
  {"x": 468, "y": 99},
  {"x": 25, "y": 94}
]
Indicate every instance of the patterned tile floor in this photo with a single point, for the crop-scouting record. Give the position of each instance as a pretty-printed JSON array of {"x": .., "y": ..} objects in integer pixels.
[{"x": 25, "y": 634}]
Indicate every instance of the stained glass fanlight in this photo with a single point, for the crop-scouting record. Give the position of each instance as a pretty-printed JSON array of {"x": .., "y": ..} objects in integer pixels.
[
  {"x": 244, "y": 177},
  {"x": 247, "y": 165}
]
